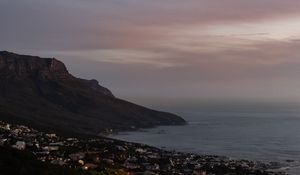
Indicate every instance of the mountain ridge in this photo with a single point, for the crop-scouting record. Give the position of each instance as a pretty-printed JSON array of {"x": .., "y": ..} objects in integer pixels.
[{"x": 40, "y": 92}]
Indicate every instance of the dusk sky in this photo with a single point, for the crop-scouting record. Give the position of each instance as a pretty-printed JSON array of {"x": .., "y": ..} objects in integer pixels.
[{"x": 146, "y": 50}]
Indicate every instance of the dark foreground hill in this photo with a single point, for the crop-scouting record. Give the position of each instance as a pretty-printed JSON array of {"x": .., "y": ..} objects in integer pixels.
[
  {"x": 41, "y": 93},
  {"x": 15, "y": 162}
]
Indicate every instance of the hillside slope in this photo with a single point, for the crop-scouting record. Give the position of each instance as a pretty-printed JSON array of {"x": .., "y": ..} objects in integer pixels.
[{"x": 41, "y": 93}]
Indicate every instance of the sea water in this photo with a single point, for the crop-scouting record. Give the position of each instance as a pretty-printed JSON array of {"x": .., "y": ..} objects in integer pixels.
[{"x": 254, "y": 133}]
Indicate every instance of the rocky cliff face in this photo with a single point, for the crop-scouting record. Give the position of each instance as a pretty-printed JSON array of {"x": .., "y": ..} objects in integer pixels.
[
  {"x": 22, "y": 66},
  {"x": 40, "y": 92}
]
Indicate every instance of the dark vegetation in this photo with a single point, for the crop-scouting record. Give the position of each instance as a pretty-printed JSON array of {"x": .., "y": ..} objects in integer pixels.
[{"x": 15, "y": 162}]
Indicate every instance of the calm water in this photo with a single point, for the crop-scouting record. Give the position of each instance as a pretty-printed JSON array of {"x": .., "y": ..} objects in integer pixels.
[{"x": 271, "y": 134}]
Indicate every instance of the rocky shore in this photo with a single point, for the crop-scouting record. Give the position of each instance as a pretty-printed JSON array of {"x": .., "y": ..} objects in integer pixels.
[{"x": 108, "y": 156}]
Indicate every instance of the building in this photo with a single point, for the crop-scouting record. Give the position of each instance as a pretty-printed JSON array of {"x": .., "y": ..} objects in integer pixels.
[{"x": 20, "y": 145}]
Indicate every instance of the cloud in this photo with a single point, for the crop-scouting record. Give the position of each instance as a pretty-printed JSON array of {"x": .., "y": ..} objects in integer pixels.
[
  {"x": 77, "y": 24},
  {"x": 166, "y": 47}
]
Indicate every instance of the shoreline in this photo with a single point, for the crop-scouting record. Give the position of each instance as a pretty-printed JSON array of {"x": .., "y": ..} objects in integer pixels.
[
  {"x": 289, "y": 165},
  {"x": 112, "y": 131},
  {"x": 92, "y": 154}
]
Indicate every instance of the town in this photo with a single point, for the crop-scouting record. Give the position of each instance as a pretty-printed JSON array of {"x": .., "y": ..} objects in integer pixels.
[{"x": 103, "y": 154}]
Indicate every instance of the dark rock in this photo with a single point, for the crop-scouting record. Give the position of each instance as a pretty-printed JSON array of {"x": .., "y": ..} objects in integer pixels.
[{"x": 40, "y": 92}]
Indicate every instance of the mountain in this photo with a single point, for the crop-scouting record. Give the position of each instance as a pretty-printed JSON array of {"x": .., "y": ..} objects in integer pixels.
[{"x": 41, "y": 93}]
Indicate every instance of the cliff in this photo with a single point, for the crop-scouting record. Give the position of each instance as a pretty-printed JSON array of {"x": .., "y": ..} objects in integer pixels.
[{"x": 40, "y": 92}]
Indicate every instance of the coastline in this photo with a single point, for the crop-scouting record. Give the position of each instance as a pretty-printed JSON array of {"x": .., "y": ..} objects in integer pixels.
[
  {"x": 110, "y": 132},
  {"x": 94, "y": 153},
  {"x": 165, "y": 138}
]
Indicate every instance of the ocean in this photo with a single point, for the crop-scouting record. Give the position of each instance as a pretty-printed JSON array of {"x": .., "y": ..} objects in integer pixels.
[{"x": 256, "y": 132}]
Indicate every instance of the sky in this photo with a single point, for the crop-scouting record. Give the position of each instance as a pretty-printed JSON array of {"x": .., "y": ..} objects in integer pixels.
[{"x": 152, "y": 51}]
